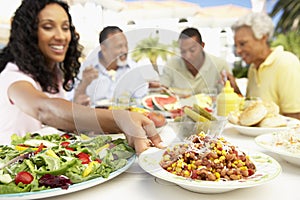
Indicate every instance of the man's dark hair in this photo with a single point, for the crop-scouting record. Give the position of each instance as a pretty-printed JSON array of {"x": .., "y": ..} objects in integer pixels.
[
  {"x": 191, "y": 32},
  {"x": 108, "y": 30}
]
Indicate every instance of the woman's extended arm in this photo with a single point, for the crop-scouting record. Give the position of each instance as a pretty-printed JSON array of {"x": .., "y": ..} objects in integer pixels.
[{"x": 62, "y": 114}]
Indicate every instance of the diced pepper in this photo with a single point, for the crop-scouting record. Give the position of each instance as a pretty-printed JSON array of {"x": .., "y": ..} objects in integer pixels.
[
  {"x": 51, "y": 153},
  {"x": 89, "y": 168}
]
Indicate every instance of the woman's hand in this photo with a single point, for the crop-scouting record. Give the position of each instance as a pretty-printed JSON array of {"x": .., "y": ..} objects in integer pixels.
[{"x": 140, "y": 131}]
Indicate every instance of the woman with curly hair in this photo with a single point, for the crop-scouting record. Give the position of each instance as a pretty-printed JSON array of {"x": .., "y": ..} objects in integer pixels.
[{"x": 40, "y": 63}]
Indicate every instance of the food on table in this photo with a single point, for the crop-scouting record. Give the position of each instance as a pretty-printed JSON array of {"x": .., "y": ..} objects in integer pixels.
[
  {"x": 147, "y": 102},
  {"x": 234, "y": 117},
  {"x": 194, "y": 115},
  {"x": 273, "y": 121},
  {"x": 253, "y": 114},
  {"x": 287, "y": 141},
  {"x": 35, "y": 162},
  {"x": 259, "y": 114},
  {"x": 158, "y": 118},
  {"x": 204, "y": 112},
  {"x": 139, "y": 110},
  {"x": 164, "y": 102},
  {"x": 160, "y": 102},
  {"x": 204, "y": 158},
  {"x": 177, "y": 113},
  {"x": 272, "y": 108},
  {"x": 198, "y": 114}
]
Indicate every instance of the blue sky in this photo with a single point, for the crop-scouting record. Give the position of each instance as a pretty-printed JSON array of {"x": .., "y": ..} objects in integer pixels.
[
  {"x": 244, "y": 3},
  {"x": 206, "y": 3}
]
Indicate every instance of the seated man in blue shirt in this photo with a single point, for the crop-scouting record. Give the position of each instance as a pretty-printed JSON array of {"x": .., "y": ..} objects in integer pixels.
[{"x": 101, "y": 71}]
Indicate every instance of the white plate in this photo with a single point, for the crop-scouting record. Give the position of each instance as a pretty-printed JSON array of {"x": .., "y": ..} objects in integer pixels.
[
  {"x": 267, "y": 169},
  {"x": 72, "y": 188},
  {"x": 255, "y": 131},
  {"x": 266, "y": 141},
  {"x": 103, "y": 103}
]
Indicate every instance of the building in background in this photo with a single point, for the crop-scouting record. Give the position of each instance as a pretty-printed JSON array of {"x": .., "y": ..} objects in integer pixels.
[{"x": 141, "y": 19}]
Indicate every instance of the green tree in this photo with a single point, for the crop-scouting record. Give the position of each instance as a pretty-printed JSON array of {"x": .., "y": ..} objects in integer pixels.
[
  {"x": 290, "y": 15},
  {"x": 290, "y": 41},
  {"x": 151, "y": 49}
]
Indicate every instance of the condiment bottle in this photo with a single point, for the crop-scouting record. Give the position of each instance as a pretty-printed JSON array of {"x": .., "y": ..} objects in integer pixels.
[{"x": 227, "y": 100}]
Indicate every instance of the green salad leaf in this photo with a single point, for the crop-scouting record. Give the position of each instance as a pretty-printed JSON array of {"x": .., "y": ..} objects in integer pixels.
[{"x": 65, "y": 157}]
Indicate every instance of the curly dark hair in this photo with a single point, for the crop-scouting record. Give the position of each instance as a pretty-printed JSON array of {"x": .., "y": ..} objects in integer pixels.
[{"x": 22, "y": 48}]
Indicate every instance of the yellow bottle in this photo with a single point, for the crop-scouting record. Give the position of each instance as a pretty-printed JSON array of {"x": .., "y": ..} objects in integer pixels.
[{"x": 227, "y": 101}]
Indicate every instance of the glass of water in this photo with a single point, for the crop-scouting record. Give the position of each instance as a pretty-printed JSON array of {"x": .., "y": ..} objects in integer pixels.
[{"x": 212, "y": 93}]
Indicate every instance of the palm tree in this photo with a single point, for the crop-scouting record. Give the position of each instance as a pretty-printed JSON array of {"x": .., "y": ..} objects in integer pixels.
[
  {"x": 290, "y": 17},
  {"x": 151, "y": 49},
  {"x": 290, "y": 41}
]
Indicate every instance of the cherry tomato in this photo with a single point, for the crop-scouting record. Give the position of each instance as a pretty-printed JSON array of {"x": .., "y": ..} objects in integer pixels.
[
  {"x": 66, "y": 145},
  {"x": 208, "y": 110},
  {"x": 66, "y": 135},
  {"x": 84, "y": 157},
  {"x": 98, "y": 160},
  {"x": 23, "y": 177}
]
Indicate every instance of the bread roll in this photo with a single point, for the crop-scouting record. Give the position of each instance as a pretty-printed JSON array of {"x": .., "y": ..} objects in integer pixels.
[
  {"x": 234, "y": 117},
  {"x": 273, "y": 121},
  {"x": 273, "y": 109},
  {"x": 253, "y": 114}
]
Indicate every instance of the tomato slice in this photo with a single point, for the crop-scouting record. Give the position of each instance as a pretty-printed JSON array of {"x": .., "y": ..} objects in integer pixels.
[
  {"x": 66, "y": 135},
  {"x": 23, "y": 177},
  {"x": 39, "y": 149},
  {"x": 66, "y": 145},
  {"x": 84, "y": 157}
]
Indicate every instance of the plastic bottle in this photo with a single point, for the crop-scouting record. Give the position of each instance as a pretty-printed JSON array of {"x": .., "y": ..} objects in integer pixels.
[{"x": 227, "y": 100}]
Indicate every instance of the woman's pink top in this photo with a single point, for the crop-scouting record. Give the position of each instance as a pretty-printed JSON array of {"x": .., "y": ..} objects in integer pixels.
[{"x": 12, "y": 119}]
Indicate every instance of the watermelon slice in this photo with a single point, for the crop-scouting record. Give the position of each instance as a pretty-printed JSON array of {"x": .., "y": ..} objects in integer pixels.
[
  {"x": 158, "y": 101},
  {"x": 164, "y": 102},
  {"x": 147, "y": 102}
]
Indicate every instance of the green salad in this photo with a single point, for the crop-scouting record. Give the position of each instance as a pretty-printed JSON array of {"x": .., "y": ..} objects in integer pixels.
[{"x": 38, "y": 162}]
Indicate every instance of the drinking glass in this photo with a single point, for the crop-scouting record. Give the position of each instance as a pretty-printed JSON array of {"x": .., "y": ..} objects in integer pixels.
[{"x": 212, "y": 93}]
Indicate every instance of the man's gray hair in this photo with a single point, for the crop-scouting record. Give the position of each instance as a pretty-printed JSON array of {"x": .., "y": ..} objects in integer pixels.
[{"x": 260, "y": 23}]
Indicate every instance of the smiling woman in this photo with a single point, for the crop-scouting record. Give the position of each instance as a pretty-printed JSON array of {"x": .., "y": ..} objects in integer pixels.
[
  {"x": 40, "y": 63},
  {"x": 53, "y": 33}
]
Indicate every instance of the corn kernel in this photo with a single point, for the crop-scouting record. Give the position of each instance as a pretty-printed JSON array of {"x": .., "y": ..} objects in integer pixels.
[
  {"x": 186, "y": 173},
  {"x": 178, "y": 169},
  {"x": 223, "y": 152},
  {"x": 222, "y": 158},
  {"x": 193, "y": 166},
  {"x": 217, "y": 174}
]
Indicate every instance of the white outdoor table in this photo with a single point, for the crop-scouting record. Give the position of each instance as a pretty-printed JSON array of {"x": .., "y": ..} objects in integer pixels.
[{"x": 136, "y": 184}]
